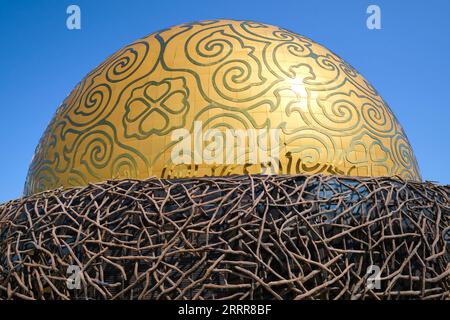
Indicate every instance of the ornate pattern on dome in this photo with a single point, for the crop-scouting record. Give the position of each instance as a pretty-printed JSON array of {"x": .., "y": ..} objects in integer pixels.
[{"x": 117, "y": 122}]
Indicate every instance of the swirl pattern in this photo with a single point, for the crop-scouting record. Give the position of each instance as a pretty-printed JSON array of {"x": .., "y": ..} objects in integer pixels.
[{"x": 118, "y": 121}]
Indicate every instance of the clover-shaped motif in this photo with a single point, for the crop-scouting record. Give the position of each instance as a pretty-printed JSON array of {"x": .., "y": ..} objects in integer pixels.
[{"x": 156, "y": 108}]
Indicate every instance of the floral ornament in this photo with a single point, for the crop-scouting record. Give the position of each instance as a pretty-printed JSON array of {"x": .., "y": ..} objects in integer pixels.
[{"x": 156, "y": 108}]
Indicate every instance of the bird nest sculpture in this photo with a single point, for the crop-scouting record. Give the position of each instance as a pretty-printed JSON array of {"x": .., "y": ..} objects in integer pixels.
[{"x": 237, "y": 237}]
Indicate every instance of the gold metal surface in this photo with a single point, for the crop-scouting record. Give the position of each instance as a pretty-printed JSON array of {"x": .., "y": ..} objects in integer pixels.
[{"x": 118, "y": 121}]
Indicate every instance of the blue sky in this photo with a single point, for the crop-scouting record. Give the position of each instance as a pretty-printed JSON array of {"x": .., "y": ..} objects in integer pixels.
[{"x": 41, "y": 60}]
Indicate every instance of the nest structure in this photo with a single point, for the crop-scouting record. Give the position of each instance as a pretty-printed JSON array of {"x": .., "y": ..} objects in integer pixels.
[{"x": 237, "y": 237}]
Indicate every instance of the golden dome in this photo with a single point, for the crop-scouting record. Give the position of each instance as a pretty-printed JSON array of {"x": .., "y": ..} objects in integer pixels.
[{"x": 121, "y": 120}]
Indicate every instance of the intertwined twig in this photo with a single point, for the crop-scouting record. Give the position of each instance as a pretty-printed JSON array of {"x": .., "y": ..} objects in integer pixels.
[{"x": 242, "y": 237}]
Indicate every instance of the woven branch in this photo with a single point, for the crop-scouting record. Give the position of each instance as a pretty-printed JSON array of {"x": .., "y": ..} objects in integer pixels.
[{"x": 238, "y": 237}]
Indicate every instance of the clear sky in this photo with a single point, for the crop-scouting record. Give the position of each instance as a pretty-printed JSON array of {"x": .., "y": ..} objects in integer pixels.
[{"x": 41, "y": 61}]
